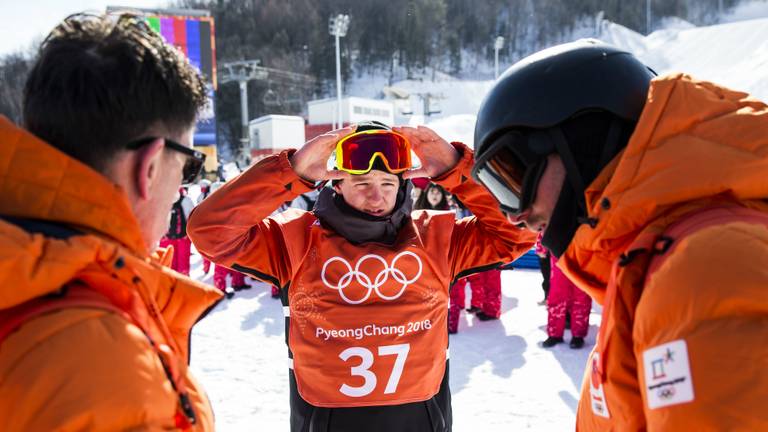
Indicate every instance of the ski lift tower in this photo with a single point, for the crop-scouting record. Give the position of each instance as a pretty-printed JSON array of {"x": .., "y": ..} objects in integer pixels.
[
  {"x": 337, "y": 27},
  {"x": 242, "y": 72}
]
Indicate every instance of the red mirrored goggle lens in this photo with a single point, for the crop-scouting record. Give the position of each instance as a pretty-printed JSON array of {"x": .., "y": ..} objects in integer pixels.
[{"x": 359, "y": 150}]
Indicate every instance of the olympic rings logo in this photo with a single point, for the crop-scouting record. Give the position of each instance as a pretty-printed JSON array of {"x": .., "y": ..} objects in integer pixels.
[
  {"x": 365, "y": 281},
  {"x": 666, "y": 392}
]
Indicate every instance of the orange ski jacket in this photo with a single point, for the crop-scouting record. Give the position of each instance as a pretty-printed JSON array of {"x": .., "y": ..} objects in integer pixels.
[
  {"x": 367, "y": 321},
  {"x": 682, "y": 344},
  {"x": 81, "y": 367}
]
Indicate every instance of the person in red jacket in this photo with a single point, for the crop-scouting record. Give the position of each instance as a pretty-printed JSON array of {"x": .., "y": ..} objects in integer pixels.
[
  {"x": 364, "y": 281},
  {"x": 566, "y": 299},
  {"x": 545, "y": 265},
  {"x": 176, "y": 236},
  {"x": 486, "y": 294}
]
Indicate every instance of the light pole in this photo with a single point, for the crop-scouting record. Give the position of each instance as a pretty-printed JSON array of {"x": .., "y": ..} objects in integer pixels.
[
  {"x": 498, "y": 44},
  {"x": 338, "y": 26},
  {"x": 647, "y": 16}
]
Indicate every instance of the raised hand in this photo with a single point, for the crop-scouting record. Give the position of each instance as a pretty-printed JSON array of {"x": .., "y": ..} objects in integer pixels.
[
  {"x": 311, "y": 161},
  {"x": 436, "y": 154}
]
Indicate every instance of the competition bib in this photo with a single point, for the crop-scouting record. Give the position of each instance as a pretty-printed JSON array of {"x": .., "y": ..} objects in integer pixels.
[{"x": 368, "y": 326}]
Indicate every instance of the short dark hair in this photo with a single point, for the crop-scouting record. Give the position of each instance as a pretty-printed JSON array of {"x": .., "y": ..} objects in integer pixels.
[{"x": 101, "y": 81}]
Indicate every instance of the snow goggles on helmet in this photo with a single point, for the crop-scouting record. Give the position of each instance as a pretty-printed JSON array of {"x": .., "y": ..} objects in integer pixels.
[
  {"x": 512, "y": 167},
  {"x": 356, "y": 153},
  {"x": 194, "y": 159}
]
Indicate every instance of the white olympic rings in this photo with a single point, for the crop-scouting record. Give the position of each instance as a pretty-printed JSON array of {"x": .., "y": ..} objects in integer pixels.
[{"x": 364, "y": 280}]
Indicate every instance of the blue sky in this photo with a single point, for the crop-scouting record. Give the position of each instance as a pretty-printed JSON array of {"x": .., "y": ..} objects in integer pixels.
[{"x": 25, "y": 21}]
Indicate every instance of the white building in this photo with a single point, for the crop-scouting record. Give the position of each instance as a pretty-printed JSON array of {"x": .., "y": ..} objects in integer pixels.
[
  {"x": 276, "y": 132},
  {"x": 353, "y": 109}
]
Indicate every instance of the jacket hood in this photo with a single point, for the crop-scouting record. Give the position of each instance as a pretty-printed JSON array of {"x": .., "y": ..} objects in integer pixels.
[
  {"x": 695, "y": 142},
  {"x": 38, "y": 182}
]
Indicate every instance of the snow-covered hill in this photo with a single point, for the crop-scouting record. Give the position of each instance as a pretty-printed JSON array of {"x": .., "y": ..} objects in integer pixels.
[{"x": 734, "y": 54}]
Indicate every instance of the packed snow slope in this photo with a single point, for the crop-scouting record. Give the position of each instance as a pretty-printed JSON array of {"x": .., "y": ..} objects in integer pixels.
[{"x": 733, "y": 54}]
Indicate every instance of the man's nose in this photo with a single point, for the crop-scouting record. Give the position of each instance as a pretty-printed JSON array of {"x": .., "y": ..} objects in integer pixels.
[
  {"x": 374, "y": 194},
  {"x": 517, "y": 219}
]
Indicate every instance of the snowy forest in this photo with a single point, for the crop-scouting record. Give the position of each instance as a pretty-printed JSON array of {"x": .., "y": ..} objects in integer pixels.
[{"x": 400, "y": 38}]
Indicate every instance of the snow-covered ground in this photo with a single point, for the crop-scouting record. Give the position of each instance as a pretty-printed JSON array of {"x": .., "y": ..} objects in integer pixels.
[{"x": 501, "y": 379}]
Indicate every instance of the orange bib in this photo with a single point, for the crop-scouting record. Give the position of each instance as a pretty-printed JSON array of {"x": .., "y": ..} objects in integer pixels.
[{"x": 368, "y": 323}]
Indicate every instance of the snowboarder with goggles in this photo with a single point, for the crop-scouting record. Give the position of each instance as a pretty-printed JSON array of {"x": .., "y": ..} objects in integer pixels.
[{"x": 364, "y": 280}]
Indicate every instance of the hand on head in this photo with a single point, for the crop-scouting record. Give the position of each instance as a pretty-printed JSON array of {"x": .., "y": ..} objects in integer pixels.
[
  {"x": 436, "y": 154},
  {"x": 311, "y": 161}
]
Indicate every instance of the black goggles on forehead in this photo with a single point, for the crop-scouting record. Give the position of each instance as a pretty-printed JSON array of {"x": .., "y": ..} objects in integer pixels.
[
  {"x": 195, "y": 159},
  {"x": 512, "y": 168}
]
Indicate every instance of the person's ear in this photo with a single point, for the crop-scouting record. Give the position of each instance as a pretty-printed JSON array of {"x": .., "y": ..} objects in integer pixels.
[
  {"x": 337, "y": 187},
  {"x": 148, "y": 167}
]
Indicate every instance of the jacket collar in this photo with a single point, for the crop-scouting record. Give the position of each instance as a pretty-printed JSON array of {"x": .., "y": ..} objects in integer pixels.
[
  {"x": 694, "y": 143},
  {"x": 37, "y": 181}
]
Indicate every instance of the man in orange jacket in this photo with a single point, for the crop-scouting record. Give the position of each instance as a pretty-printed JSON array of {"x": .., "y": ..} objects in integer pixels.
[
  {"x": 94, "y": 329},
  {"x": 364, "y": 281},
  {"x": 653, "y": 194}
]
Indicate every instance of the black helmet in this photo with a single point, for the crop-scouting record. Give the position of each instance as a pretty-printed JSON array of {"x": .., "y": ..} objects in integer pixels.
[
  {"x": 555, "y": 84},
  {"x": 580, "y": 100},
  {"x": 371, "y": 125}
]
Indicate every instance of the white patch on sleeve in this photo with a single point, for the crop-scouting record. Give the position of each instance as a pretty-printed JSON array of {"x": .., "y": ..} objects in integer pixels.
[
  {"x": 596, "y": 392},
  {"x": 667, "y": 374}
]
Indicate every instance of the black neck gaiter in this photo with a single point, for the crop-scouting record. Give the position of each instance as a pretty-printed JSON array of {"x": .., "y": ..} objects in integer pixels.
[
  {"x": 360, "y": 227},
  {"x": 594, "y": 140},
  {"x": 564, "y": 221}
]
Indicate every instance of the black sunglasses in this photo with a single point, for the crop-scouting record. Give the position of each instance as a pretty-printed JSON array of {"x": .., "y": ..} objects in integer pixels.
[{"x": 195, "y": 159}]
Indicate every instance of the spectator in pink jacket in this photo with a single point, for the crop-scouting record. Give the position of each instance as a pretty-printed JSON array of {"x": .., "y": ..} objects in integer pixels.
[
  {"x": 486, "y": 294},
  {"x": 564, "y": 297},
  {"x": 544, "y": 266},
  {"x": 177, "y": 232}
]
